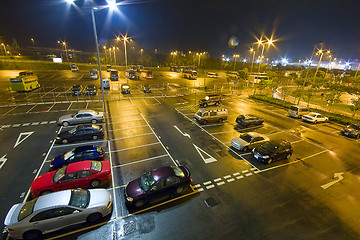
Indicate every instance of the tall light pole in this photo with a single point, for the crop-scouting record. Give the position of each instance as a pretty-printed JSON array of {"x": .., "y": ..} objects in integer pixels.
[
  {"x": 2, "y": 44},
  {"x": 33, "y": 41},
  {"x": 235, "y": 56},
  {"x": 125, "y": 39},
  {"x": 357, "y": 70},
  {"x": 114, "y": 55},
  {"x": 141, "y": 53},
  {"x": 252, "y": 63},
  {"x": 173, "y": 57},
  {"x": 64, "y": 44}
]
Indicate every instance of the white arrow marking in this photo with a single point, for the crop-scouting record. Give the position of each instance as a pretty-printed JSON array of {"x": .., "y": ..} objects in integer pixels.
[
  {"x": 337, "y": 176},
  {"x": 184, "y": 134},
  {"x": 19, "y": 140},
  {"x": 202, "y": 153},
  {"x": 3, "y": 159}
]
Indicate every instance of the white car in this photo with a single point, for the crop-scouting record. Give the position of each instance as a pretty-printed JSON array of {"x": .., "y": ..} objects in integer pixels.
[
  {"x": 314, "y": 118},
  {"x": 54, "y": 211},
  {"x": 247, "y": 141},
  {"x": 82, "y": 116}
]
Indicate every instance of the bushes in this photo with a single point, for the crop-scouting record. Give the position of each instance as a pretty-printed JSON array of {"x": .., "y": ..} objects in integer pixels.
[{"x": 334, "y": 117}]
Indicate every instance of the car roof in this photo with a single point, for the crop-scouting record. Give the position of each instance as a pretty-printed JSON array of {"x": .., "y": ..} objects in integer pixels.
[
  {"x": 78, "y": 166},
  {"x": 254, "y": 134},
  {"x": 280, "y": 142},
  {"x": 86, "y": 111},
  {"x": 84, "y": 148},
  {"x": 87, "y": 126},
  {"x": 53, "y": 199},
  {"x": 163, "y": 172}
]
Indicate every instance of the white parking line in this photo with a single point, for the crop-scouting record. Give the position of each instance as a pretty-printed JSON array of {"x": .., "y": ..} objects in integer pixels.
[
  {"x": 10, "y": 110},
  {"x": 121, "y": 129},
  {"x": 69, "y": 106},
  {"x": 145, "y": 145},
  {"x": 139, "y": 161}
]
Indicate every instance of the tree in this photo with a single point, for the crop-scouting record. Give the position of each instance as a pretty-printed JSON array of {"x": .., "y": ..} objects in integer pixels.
[{"x": 355, "y": 105}]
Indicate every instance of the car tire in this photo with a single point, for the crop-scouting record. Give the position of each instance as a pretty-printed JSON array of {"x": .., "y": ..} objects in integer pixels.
[
  {"x": 288, "y": 156},
  {"x": 65, "y": 124},
  {"x": 179, "y": 189},
  {"x": 315, "y": 121},
  {"x": 205, "y": 105},
  {"x": 94, "y": 218},
  {"x": 220, "y": 120},
  {"x": 93, "y": 121},
  {"x": 204, "y": 122},
  {"x": 32, "y": 234},
  {"x": 245, "y": 149},
  {"x": 270, "y": 160},
  {"x": 139, "y": 203},
  {"x": 64, "y": 141},
  {"x": 94, "y": 137},
  {"x": 45, "y": 192},
  {"x": 217, "y": 104},
  {"x": 94, "y": 183}
]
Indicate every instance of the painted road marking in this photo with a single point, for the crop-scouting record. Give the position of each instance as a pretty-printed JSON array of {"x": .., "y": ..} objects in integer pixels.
[
  {"x": 35, "y": 123},
  {"x": 184, "y": 134},
  {"x": 239, "y": 177},
  {"x": 207, "y": 158},
  {"x": 22, "y": 137},
  {"x": 26, "y": 124},
  {"x": 338, "y": 177},
  {"x": 210, "y": 186},
  {"x": 3, "y": 160}
]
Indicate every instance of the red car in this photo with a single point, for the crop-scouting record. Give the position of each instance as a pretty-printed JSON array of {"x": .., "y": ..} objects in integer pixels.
[{"x": 75, "y": 175}]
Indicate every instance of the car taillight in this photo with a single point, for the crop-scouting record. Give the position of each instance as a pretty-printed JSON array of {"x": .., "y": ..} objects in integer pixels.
[
  {"x": 10, "y": 229},
  {"x": 292, "y": 149},
  {"x": 101, "y": 156}
]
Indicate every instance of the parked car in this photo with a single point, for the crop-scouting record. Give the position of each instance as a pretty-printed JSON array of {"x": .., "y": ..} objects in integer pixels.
[
  {"x": 91, "y": 90},
  {"x": 248, "y": 120},
  {"x": 248, "y": 141},
  {"x": 93, "y": 74},
  {"x": 203, "y": 116},
  {"x": 81, "y": 132},
  {"x": 75, "y": 175},
  {"x": 157, "y": 185},
  {"x": 125, "y": 89},
  {"x": 352, "y": 130},
  {"x": 51, "y": 212},
  {"x": 114, "y": 75},
  {"x": 74, "y": 68},
  {"x": 314, "y": 118},
  {"x": 82, "y": 116},
  {"x": 106, "y": 83},
  {"x": 76, "y": 90},
  {"x": 212, "y": 75},
  {"x": 271, "y": 151},
  {"x": 82, "y": 153},
  {"x": 108, "y": 68},
  {"x": 147, "y": 89},
  {"x": 296, "y": 111},
  {"x": 210, "y": 100}
]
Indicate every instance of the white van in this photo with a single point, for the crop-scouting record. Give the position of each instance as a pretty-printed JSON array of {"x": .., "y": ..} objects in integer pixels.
[
  {"x": 298, "y": 111},
  {"x": 106, "y": 83},
  {"x": 204, "y": 116}
]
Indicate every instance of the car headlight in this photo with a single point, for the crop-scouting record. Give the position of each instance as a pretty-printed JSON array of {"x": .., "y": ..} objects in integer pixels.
[
  {"x": 58, "y": 138},
  {"x": 129, "y": 199},
  {"x": 265, "y": 156},
  {"x": 51, "y": 165}
]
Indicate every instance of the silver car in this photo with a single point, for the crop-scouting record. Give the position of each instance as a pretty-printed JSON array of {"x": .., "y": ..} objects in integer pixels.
[
  {"x": 82, "y": 116},
  {"x": 54, "y": 211},
  {"x": 247, "y": 141}
]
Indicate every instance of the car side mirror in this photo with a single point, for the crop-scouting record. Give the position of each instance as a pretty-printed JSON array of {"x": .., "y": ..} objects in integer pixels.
[{"x": 76, "y": 211}]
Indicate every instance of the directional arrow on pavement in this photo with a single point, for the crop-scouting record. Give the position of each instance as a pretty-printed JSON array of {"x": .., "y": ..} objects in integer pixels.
[
  {"x": 337, "y": 176},
  {"x": 204, "y": 155},
  {"x": 22, "y": 137},
  {"x": 3, "y": 159},
  {"x": 184, "y": 134}
]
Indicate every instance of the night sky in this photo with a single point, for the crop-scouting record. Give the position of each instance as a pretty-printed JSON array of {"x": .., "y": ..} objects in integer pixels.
[{"x": 197, "y": 25}]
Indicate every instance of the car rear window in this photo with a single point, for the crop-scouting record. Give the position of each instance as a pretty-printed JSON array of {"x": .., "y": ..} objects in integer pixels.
[
  {"x": 79, "y": 198},
  {"x": 293, "y": 108},
  {"x": 95, "y": 165},
  {"x": 178, "y": 172},
  {"x": 27, "y": 209}
]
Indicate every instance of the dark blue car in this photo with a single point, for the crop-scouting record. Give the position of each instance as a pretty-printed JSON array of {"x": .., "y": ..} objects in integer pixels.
[{"x": 88, "y": 152}]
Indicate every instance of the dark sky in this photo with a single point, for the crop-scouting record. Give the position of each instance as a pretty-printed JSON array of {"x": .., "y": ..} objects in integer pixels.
[{"x": 197, "y": 25}]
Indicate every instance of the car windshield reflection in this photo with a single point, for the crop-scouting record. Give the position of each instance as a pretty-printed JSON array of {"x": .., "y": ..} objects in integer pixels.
[{"x": 146, "y": 181}]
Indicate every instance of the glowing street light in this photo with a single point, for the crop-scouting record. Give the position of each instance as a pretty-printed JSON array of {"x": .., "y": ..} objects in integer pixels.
[
  {"x": 173, "y": 54},
  {"x": 235, "y": 56},
  {"x": 125, "y": 39},
  {"x": 64, "y": 44},
  {"x": 252, "y": 63},
  {"x": 2, "y": 44}
]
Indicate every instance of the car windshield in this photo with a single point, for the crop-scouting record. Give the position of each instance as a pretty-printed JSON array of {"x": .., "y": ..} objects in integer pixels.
[
  {"x": 69, "y": 154},
  {"x": 79, "y": 198},
  {"x": 199, "y": 113},
  {"x": 95, "y": 165},
  {"x": 268, "y": 146},
  {"x": 312, "y": 115},
  {"x": 27, "y": 209},
  {"x": 293, "y": 108},
  {"x": 59, "y": 174},
  {"x": 178, "y": 172},
  {"x": 246, "y": 137},
  {"x": 72, "y": 131},
  {"x": 146, "y": 181}
]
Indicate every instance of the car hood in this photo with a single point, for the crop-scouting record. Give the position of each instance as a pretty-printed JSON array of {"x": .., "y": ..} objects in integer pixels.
[
  {"x": 133, "y": 189},
  {"x": 99, "y": 198},
  {"x": 42, "y": 182},
  {"x": 68, "y": 116},
  {"x": 12, "y": 215}
]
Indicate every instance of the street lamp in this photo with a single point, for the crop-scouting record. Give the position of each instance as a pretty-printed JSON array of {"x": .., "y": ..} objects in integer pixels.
[
  {"x": 64, "y": 44},
  {"x": 173, "y": 54},
  {"x": 141, "y": 53},
  {"x": 2, "y": 44},
  {"x": 33, "y": 41},
  {"x": 235, "y": 56},
  {"x": 125, "y": 39},
  {"x": 263, "y": 42}
]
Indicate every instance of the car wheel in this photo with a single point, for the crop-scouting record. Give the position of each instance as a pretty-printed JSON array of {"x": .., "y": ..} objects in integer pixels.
[
  {"x": 32, "y": 234},
  {"x": 270, "y": 160},
  {"x": 326, "y": 120},
  {"x": 94, "y": 183},
  {"x": 245, "y": 149},
  {"x": 220, "y": 120},
  {"x": 140, "y": 203},
  {"x": 204, "y": 122},
  {"x": 205, "y": 105},
  {"x": 217, "y": 104},
  {"x": 315, "y": 121},
  {"x": 65, "y": 124},
  {"x": 179, "y": 189},
  {"x": 45, "y": 192},
  {"x": 288, "y": 156},
  {"x": 93, "y": 121},
  {"x": 64, "y": 140},
  {"x": 94, "y": 137},
  {"x": 94, "y": 218}
]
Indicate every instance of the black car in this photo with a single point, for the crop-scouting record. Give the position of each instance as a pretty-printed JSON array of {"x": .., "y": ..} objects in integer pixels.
[
  {"x": 249, "y": 120},
  {"x": 76, "y": 90},
  {"x": 81, "y": 132},
  {"x": 125, "y": 89},
  {"x": 82, "y": 153},
  {"x": 157, "y": 185},
  {"x": 91, "y": 90},
  {"x": 271, "y": 151},
  {"x": 352, "y": 130},
  {"x": 147, "y": 89}
]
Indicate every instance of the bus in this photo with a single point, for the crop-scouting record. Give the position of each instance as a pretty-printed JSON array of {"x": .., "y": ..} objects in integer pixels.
[
  {"x": 259, "y": 77},
  {"x": 132, "y": 74},
  {"x": 190, "y": 74},
  {"x": 26, "y": 81},
  {"x": 149, "y": 74}
]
